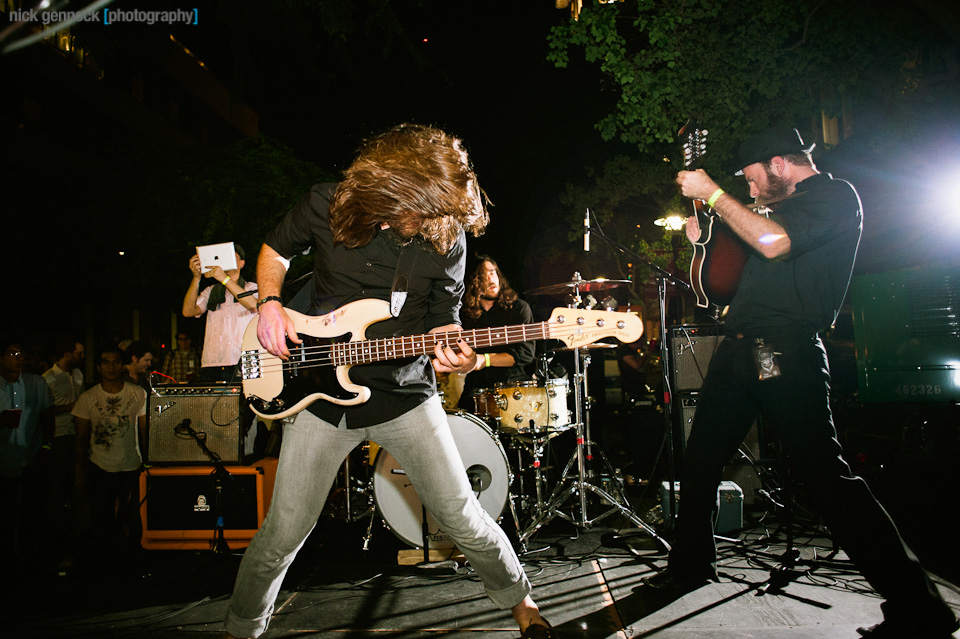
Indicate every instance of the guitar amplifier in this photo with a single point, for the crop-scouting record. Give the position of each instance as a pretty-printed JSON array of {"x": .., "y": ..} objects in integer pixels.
[
  {"x": 212, "y": 411},
  {"x": 692, "y": 347}
]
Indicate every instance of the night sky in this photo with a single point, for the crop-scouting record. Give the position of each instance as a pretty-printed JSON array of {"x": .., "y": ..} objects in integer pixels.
[{"x": 479, "y": 70}]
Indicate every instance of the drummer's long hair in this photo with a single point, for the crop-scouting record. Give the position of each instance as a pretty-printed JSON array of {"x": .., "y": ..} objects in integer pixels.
[
  {"x": 471, "y": 299},
  {"x": 415, "y": 178}
]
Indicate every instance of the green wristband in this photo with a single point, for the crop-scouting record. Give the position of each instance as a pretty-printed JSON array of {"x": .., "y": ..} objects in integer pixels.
[{"x": 713, "y": 198}]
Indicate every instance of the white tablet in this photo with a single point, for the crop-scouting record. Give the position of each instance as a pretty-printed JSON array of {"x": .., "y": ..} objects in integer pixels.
[{"x": 222, "y": 255}]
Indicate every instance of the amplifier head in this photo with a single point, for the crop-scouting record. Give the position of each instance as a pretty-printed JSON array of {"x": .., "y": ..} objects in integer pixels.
[{"x": 692, "y": 348}]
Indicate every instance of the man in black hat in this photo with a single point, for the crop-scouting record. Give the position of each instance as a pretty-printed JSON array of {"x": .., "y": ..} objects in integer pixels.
[{"x": 772, "y": 363}]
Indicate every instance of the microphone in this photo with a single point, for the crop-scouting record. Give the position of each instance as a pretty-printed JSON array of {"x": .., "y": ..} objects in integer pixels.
[
  {"x": 586, "y": 231},
  {"x": 183, "y": 428},
  {"x": 479, "y": 477}
]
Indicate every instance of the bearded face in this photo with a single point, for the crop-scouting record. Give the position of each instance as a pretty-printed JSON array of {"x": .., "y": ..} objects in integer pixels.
[
  {"x": 776, "y": 187},
  {"x": 491, "y": 282}
]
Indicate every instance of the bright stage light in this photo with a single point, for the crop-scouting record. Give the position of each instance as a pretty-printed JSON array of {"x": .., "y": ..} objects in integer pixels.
[{"x": 671, "y": 222}]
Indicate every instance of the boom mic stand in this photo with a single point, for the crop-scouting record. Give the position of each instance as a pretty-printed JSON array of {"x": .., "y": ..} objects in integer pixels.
[
  {"x": 663, "y": 279},
  {"x": 220, "y": 476}
]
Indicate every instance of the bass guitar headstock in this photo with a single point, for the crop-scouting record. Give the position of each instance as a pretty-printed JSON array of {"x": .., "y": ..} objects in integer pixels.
[{"x": 577, "y": 327}]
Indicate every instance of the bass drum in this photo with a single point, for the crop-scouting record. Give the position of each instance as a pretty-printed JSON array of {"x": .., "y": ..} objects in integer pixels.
[{"x": 484, "y": 461}]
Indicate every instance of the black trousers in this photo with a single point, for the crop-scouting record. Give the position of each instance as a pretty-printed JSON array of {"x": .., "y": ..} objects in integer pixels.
[{"x": 796, "y": 405}]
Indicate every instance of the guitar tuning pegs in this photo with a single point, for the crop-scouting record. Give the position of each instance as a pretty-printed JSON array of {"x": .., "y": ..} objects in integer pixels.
[{"x": 705, "y": 133}]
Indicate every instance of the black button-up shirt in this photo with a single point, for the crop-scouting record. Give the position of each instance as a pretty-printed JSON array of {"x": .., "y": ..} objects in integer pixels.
[
  {"x": 802, "y": 292},
  {"x": 342, "y": 275}
]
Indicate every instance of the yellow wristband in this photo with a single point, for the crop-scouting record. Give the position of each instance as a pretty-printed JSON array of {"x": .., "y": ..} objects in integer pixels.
[
  {"x": 486, "y": 359},
  {"x": 227, "y": 278},
  {"x": 713, "y": 198}
]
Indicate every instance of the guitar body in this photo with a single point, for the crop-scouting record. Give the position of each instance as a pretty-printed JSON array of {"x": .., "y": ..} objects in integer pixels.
[
  {"x": 718, "y": 254},
  {"x": 717, "y": 263},
  {"x": 278, "y": 389}
]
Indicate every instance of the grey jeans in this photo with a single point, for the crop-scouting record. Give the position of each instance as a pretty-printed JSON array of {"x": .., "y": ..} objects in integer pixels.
[{"x": 310, "y": 458}]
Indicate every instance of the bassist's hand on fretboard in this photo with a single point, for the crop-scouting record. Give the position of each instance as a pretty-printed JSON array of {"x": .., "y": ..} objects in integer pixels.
[{"x": 450, "y": 358}]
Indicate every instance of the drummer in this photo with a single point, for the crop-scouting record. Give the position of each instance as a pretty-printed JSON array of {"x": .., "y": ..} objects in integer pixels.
[{"x": 490, "y": 302}]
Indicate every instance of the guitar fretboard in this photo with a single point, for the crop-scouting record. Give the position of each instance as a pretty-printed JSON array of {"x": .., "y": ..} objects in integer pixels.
[{"x": 378, "y": 350}]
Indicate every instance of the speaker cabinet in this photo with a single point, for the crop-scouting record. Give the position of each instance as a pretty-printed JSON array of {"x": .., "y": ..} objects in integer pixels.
[
  {"x": 211, "y": 411},
  {"x": 181, "y": 505},
  {"x": 688, "y": 408},
  {"x": 692, "y": 347},
  {"x": 742, "y": 469}
]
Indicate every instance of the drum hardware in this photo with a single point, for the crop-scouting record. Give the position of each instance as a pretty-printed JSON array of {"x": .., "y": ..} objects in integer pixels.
[
  {"x": 586, "y": 347},
  {"x": 357, "y": 486},
  {"x": 530, "y": 505},
  {"x": 580, "y": 483}
]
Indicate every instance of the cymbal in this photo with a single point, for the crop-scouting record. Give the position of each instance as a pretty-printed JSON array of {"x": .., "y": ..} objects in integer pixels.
[
  {"x": 584, "y": 286},
  {"x": 585, "y": 347}
]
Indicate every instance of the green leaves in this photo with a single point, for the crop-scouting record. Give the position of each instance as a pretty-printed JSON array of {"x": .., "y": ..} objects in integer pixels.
[{"x": 739, "y": 66}]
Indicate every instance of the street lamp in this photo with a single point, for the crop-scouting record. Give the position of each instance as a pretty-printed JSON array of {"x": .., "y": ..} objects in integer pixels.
[{"x": 671, "y": 222}]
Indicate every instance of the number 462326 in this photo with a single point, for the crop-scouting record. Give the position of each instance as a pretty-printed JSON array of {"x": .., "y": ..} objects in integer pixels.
[{"x": 917, "y": 389}]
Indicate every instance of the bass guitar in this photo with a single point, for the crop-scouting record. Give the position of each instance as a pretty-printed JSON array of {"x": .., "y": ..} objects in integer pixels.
[
  {"x": 719, "y": 255},
  {"x": 319, "y": 369}
]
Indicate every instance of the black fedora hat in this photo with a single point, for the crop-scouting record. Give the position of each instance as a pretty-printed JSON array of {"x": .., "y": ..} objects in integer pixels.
[{"x": 760, "y": 147}]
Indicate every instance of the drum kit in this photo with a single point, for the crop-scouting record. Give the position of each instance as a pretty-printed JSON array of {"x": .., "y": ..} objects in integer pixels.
[{"x": 522, "y": 418}]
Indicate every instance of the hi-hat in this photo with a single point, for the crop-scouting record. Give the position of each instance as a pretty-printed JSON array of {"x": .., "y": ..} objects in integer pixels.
[
  {"x": 583, "y": 286},
  {"x": 585, "y": 347}
]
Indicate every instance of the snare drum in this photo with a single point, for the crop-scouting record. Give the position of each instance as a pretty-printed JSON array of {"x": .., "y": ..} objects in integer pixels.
[
  {"x": 526, "y": 407},
  {"x": 484, "y": 461}
]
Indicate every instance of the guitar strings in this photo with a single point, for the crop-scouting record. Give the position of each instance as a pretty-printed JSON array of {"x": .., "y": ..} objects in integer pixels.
[{"x": 340, "y": 353}]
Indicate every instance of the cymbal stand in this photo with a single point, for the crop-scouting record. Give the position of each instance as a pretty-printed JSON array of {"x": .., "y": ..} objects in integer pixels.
[{"x": 579, "y": 483}]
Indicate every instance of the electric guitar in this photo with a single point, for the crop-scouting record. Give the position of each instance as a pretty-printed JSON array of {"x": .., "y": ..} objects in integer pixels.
[
  {"x": 319, "y": 369},
  {"x": 719, "y": 255}
]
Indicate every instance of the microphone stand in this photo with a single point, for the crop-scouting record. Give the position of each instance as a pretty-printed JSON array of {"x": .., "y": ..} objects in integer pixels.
[
  {"x": 663, "y": 279},
  {"x": 220, "y": 475}
]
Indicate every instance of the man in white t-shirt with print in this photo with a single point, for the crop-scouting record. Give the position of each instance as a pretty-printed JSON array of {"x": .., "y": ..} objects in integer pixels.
[{"x": 111, "y": 424}]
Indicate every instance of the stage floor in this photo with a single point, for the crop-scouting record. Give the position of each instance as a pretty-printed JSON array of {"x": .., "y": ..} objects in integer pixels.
[
  {"x": 587, "y": 580},
  {"x": 587, "y": 583}
]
